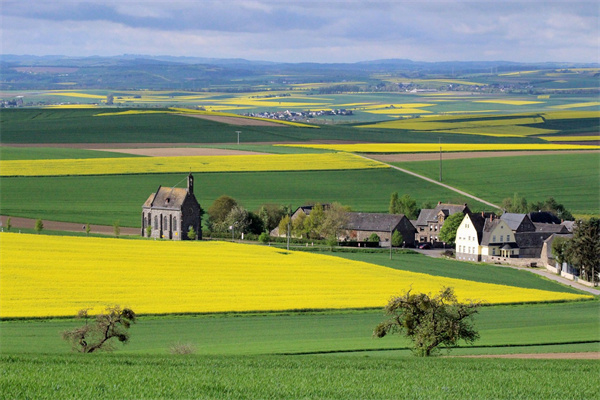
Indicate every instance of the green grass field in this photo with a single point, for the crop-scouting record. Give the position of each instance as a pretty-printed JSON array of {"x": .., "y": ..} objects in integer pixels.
[
  {"x": 572, "y": 179},
  {"x": 105, "y": 199},
  {"x": 284, "y": 377},
  {"x": 529, "y": 327},
  {"x": 478, "y": 272},
  {"x": 53, "y": 153}
]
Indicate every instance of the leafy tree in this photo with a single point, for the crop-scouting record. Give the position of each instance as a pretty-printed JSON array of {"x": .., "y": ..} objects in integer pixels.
[
  {"x": 374, "y": 238},
  {"x": 239, "y": 218},
  {"x": 270, "y": 215},
  {"x": 191, "y": 234},
  {"x": 394, "y": 203},
  {"x": 551, "y": 205},
  {"x": 218, "y": 212},
  {"x": 98, "y": 335},
  {"x": 516, "y": 204},
  {"x": 297, "y": 226},
  {"x": 314, "y": 221},
  {"x": 408, "y": 206},
  {"x": 560, "y": 249},
  {"x": 264, "y": 238},
  {"x": 583, "y": 250},
  {"x": 283, "y": 225},
  {"x": 8, "y": 224},
  {"x": 451, "y": 224},
  {"x": 88, "y": 229},
  {"x": 430, "y": 322},
  {"x": 397, "y": 239},
  {"x": 255, "y": 223},
  {"x": 148, "y": 231},
  {"x": 39, "y": 226},
  {"x": 117, "y": 228},
  {"x": 335, "y": 217}
]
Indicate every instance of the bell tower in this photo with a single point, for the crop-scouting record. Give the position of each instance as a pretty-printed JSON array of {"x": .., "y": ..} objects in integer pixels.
[{"x": 190, "y": 184}]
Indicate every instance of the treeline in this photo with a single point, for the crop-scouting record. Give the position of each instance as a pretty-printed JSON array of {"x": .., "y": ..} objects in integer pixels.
[{"x": 520, "y": 205}]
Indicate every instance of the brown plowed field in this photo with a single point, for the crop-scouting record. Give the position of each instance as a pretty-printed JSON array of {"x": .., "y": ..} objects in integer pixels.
[{"x": 239, "y": 121}]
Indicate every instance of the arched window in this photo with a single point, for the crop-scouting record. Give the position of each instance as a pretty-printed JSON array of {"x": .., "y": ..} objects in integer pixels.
[
  {"x": 165, "y": 222},
  {"x": 155, "y": 222}
]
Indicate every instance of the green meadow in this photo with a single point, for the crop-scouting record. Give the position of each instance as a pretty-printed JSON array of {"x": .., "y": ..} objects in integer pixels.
[
  {"x": 572, "y": 179},
  {"x": 107, "y": 198}
]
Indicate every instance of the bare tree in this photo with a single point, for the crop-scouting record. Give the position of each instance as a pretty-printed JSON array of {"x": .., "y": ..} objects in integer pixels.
[{"x": 96, "y": 335}]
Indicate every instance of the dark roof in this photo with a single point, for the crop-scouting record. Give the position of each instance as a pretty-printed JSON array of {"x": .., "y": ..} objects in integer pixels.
[
  {"x": 373, "y": 221},
  {"x": 307, "y": 209},
  {"x": 170, "y": 198},
  {"x": 554, "y": 228},
  {"x": 544, "y": 217},
  {"x": 531, "y": 239},
  {"x": 428, "y": 215},
  {"x": 478, "y": 222}
]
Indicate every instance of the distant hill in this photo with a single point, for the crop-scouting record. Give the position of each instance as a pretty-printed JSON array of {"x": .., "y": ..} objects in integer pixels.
[{"x": 130, "y": 71}]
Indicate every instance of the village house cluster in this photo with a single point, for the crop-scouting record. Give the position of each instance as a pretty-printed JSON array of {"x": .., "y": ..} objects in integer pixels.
[{"x": 292, "y": 116}]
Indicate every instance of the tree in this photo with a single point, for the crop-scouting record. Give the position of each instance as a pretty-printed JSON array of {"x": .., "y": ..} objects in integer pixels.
[
  {"x": 98, "y": 335},
  {"x": 88, "y": 229},
  {"x": 110, "y": 99},
  {"x": 271, "y": 214},
  {"x": 312, "y": 223},
  {"x": 8, "y": 224},
  {"x": 283, "y": 225},
  {"x": 516, "y": 204},
  {"x": 117, "y": 228},
  {"x": 238, "y": 218},
  {"x": 374, "y": 238},
  {"x": 148, "y": 231},
  {"x": 39, "y": 226},
  {"x": 408, "y": 207},
  {"x": 264, "y": 238},
  {"x": 560, "y": 249},
  {"x": 218, "y": 212},
  {"x": 397, "y": 239},
  {"x": 583, "y": 250},
  {"x": 334, "y": 219},
  {"x": 430, "y": 322},
  {"x": 551, "y": 205},
  {"x": 394, "y": 203},
  {"x": 451, "y": 224},
  {"x": 191, "y": 234}
]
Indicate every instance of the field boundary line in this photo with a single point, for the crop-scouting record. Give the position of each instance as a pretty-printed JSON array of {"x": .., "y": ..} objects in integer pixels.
[{"x": 435, "y": 182}]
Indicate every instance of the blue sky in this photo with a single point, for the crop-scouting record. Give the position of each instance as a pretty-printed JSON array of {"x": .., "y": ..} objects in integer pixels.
[{"x": 307, "y": 30}]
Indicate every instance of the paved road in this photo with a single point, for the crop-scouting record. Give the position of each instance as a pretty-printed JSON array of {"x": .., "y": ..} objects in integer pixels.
[{"x": 495, "y": 206}]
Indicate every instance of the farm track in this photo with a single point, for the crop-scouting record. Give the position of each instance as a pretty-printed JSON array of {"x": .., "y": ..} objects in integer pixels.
[
  {"x": 29, "y": 223},
  {"x": 495, "y": 206}
]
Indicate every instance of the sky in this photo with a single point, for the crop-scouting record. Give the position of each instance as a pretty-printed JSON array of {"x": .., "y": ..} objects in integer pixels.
[{"x": 322, "y": 31}]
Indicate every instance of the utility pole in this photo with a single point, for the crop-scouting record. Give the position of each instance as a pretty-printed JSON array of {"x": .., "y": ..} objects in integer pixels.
[
  {"x": 391, "y": 243},
  {"x": 238, "y": 136}
]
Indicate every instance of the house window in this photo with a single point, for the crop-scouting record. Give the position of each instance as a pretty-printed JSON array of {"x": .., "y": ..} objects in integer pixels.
[
  {"x": 493, "y": 251},
  {"x": 508, "y": 238},
  {"x": 494, "y": 239},
  {"x": 501, "y": 238}
]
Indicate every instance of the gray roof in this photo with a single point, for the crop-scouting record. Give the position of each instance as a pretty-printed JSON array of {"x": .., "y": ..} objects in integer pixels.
[
  {"x": 513, "y": 220},
  {"x": 428, "y": 215},
  {"x": 377, "y": 222},
  {"x": 531, "y": 239},
  {"x": 169, "y": 198},
  {"x": 553, "y": 228}
]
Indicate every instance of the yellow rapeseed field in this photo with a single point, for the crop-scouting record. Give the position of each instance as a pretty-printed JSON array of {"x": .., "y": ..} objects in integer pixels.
[
  {"x": 57, "y": 275},
  {"x": 435, "y": 147},
  {"x": 199, "y": 164}
]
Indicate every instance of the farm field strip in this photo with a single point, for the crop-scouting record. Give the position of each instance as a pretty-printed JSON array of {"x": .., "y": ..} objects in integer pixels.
[
  {"x": 200, "y": 164},
  {"x": 436, "y": 147},
  {"x": 56, "y": 276}
]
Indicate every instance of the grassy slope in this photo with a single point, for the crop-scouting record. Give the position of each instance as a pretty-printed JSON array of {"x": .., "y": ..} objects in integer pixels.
[
  {"x": 521, "y": 325},
  {"x": 572, "y": 179},
  {"x": 53, "y": 153},
  {"x": 82, "y": 126},
  {"x": 477, "y": 272},
  {"x": 277, "y": 377},
  {"x": 104, "y": 199}
]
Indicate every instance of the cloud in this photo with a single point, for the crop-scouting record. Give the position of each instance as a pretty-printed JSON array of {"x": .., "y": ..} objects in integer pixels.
[{"x": 309, "y": 30}]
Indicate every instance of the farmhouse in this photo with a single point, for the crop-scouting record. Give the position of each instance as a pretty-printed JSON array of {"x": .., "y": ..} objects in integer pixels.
[
  {"x": 483, "y": 236},
  {"x": 530, "y": 234},
  {"x": 362, "y": 225},
  {"x": 171, "y": 212},
  {"x": 431, "y": 220}
]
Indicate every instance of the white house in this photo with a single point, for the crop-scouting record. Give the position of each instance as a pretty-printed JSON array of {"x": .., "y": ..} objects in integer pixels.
[{"x": 482, "y": 236}]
